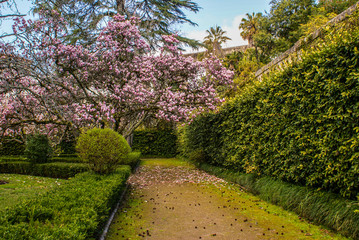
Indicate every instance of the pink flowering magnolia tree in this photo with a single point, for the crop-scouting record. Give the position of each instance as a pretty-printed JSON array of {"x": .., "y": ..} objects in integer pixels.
[{"x": 52, "y": 87}]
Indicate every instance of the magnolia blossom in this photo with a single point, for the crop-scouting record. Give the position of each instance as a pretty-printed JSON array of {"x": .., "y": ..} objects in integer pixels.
[{"x": 51, "y": 86}]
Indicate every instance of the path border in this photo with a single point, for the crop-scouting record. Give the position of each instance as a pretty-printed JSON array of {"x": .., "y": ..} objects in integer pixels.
[{"x": 109, "y": 221}]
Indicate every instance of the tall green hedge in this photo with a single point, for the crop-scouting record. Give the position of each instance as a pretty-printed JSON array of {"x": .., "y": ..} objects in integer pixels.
[
  {"x": 160, "y": 143},
  {"x": 300, "y": 125}
]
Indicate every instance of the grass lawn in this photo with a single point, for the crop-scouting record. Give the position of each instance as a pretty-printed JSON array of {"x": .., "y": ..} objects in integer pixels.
[
  {"x": 165, "y": 162},
  {"x": 22, "y": 187}
]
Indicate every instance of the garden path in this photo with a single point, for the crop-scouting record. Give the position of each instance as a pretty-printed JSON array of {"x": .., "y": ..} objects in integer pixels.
[{"x": 171, "y": 200}]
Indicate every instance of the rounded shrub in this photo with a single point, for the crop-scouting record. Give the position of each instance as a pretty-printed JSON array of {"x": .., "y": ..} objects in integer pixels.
[
  {"x": 102, "y": 149},
  {"x": 38, "y": 149}
]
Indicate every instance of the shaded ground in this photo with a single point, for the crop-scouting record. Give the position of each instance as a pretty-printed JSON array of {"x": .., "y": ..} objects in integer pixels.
[{"x": 169, "y": 199}]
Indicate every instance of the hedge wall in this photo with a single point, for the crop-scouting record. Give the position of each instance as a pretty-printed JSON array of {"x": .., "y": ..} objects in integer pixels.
[
  {"x": 299, "y": 125},
  {"x": 71, "y": 211},
  {"x": 160, "y": 143}
]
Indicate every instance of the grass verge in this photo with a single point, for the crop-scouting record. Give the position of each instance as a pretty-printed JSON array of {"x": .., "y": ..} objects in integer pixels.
[
  {"x": 20, "y": 188},
  {"x": 321, "y": 208}
]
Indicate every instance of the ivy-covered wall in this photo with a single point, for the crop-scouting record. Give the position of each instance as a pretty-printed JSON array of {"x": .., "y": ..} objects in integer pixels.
[
  {"x": 300, "y": 125},
  {"x": 159, "y": 143}
]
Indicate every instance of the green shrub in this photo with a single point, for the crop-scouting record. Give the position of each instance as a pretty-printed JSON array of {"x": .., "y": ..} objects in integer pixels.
[
  {"x": 38, "y": 149},
  {"x": 102, "y": 149},
  {"x": 299, "y": 125},
  {"x": 197, "y": 157},
  {"x": 54, "y": 170},
  {"x": 155, "y": 143},
  {"x": 71, "y": 211}
]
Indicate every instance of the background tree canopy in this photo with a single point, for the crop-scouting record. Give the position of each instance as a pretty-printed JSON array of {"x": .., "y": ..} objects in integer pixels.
[{"x": 86, "y": 18}]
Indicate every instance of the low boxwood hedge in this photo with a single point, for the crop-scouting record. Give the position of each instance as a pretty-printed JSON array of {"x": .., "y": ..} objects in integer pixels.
[
  {"x": 72, "y": 159},
  {"x": 60, "y": 167},
  {"x": 132, "y": 159},
  {"x": 74, "y": 210},
  {"x": 54, "y": 170}
]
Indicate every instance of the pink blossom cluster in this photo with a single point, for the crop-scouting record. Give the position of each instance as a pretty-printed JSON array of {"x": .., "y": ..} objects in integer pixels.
[{"x": 48, "y": 84}]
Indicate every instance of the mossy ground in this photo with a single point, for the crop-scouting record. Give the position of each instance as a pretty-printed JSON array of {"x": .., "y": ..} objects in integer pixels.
[
  {"x": 169, "y": 199},
  {"x": 22, "y": 187}
]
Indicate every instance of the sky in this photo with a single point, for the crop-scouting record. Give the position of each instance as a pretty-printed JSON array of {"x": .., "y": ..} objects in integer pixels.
[{"x": 225, "y": 13}]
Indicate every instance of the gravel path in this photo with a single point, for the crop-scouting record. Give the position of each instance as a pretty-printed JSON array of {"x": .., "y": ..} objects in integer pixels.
[{"x": 180, "y": 202}]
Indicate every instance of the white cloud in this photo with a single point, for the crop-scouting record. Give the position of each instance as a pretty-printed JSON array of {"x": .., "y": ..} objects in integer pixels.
[{"x": 232, "y": 31}]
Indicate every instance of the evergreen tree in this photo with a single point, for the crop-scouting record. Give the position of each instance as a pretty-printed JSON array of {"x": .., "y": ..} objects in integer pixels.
[{"x": 86, "y": 18}]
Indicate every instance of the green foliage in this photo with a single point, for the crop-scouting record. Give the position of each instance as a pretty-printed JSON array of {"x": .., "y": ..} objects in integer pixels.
[
  {"x": 322, "y": 208},
  {"x": 61, "y": 158},
  {"x": 160, "y": 143},
  {"x": 197, "y": 156},
  {"x": 38, "y": 149},
  {"x": 336, "y": 6},
  {"x": 244, "y": 66},
  {"x": 12, "y": 159},
  {"x": 287, "y": 21},
  {"x": 9, "y": 146},
  {"x": 68, "y": 146},
  {"x": 54, "y": 170},
  {"x": 74, "y": 210},
  {"x": 132, "y": 159},
  {"x": 286, "y": 16},
  {"x": 102, "y": 149},
  {"x": 299, "y": 125}
]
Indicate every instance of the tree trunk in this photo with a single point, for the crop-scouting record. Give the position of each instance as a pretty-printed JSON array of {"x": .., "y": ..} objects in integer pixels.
[{"x": 120, "y": 5}]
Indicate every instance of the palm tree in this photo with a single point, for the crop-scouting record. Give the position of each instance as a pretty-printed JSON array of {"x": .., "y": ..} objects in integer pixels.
[
  {"x": 250, "y": 26},
  {"x": 214, "y": 39}
]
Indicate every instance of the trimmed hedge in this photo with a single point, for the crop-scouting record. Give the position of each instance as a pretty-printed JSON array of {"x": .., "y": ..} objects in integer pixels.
[
  {"x": 11, "y": 147},
  {"x": 299, "y": 125},
  {"x": 321, "y": 208},
  {"x": 12, "y": 159},
  {"x": 155, "y": 143},
  {"x": 132, "y": 159},
  {"x": 65, "y": 166},
  {"x": 73, "y": 211},
  {"x": 67, "y": 159},
  {"x": 54, "y": 170}
]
